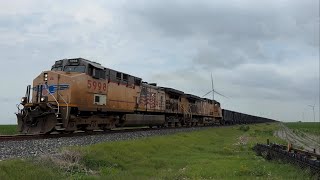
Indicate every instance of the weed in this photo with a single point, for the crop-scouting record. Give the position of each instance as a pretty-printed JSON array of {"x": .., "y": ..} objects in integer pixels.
[
  {"x": 244, "y": 128},
  {"x": 68, "y": 160}
]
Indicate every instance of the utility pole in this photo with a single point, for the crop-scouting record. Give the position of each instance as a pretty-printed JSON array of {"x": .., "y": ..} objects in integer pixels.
[
  {"x": 314, "y": 120},
  {"x": 314, "y": 116}
]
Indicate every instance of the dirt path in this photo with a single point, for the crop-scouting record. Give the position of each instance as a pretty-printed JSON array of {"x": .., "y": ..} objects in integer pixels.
[{"x": 299, "y": 139}]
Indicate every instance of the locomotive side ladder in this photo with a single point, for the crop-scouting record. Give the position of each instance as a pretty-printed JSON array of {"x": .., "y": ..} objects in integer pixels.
[
  {"x": 187, "y": 114},
  {"x": 57, "y": 110}
]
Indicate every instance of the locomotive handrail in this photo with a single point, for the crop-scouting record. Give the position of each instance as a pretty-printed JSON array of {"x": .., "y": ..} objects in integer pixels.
[
  {"x": 190, "y": 112},
  {"x": 186, "y": 112},
  {"x": 54, "y": 100},
  {"x": 67, "y": 114}
]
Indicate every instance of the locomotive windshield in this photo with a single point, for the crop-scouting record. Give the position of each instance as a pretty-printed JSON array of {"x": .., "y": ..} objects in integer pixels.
[
  {"x": 56, "y": 69},
  {"x": 80, "y": 69}
]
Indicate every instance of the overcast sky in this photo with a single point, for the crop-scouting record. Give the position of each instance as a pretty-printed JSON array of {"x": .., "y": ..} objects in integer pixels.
[{"x": 263, "y": 55}]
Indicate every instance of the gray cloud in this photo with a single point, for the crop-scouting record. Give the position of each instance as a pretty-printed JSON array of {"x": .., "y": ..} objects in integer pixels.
[
  {"x": 233, "y": 36},
  {"x": 236, "y": 33},
  {"x": 264, "y": 55},
  {"x": 243, "y": 21}
]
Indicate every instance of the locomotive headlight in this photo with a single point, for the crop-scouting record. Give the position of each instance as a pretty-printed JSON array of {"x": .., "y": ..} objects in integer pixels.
[
  {"x": 44, "y": 99},
  {"x": 24, "y": 100},
  {"x": 45, "y": 76}
]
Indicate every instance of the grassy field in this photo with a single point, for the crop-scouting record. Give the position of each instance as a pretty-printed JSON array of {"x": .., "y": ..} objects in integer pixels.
[
  {"x": 217, "y": 153},
  {"x": 308, "y": 127},
  {"x": 8, "y": 129}
]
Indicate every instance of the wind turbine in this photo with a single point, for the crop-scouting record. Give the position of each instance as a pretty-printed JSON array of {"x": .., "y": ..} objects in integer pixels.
[
  {"x": 212, "y": 88},
  {"x": 213, "y": 91}
]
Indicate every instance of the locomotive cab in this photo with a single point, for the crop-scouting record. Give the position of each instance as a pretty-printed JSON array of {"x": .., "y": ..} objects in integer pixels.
[
  {"x": 80, "y": 65},
  {"x": 48, "y": 104},
  {"x": 74, "y": 95}
]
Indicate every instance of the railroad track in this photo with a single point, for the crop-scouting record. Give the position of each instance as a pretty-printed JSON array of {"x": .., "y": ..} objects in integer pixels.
[{"x": 22, "y": 137}]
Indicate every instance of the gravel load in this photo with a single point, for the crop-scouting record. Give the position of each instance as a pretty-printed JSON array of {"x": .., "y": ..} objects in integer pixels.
[{"x": 32, "y": 148}]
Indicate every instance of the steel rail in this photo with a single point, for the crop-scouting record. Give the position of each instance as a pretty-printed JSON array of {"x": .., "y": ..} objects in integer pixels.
[{"x": 22, "y": 137}]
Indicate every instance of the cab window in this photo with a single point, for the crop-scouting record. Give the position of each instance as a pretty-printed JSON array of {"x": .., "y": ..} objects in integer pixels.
[
  {"x": 98, "y": 73},
  {"x": 80, "y": 69},
  {"x": 56, "y": 69},
  {"x": 125, "y": 77},
  {"x": 118, "y": 75}
]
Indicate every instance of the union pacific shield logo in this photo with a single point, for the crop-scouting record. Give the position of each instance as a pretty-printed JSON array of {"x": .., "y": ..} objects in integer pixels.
[{"x": 51, "y": 89}]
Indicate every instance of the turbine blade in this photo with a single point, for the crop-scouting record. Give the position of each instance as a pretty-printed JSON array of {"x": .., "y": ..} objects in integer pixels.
[
  {"x": 215, "y": 92},
  {"x": 207, "y": 93},
  {"x": 220, "y": 94}
]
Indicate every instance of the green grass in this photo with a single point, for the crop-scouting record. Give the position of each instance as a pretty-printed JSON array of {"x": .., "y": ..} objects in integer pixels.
[
  {"x": 217, "y": 153},
  {"x": 8, "y": 129},
  {"x": 22, "y": 169},
  {"x": 308, "y": 127}
]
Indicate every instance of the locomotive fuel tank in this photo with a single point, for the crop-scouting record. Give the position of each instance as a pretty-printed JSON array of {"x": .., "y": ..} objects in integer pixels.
[{"x": 144, "y": 120}]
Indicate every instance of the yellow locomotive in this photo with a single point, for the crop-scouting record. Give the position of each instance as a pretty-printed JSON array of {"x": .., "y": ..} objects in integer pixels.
[{"x": 78, "y": 94}]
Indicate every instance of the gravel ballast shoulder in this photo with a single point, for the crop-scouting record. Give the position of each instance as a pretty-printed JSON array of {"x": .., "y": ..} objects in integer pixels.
[{"x": 32, "y": 148}]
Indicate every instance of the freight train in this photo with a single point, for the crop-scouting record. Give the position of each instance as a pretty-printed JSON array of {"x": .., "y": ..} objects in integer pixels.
[{"x": 78, "y": 94}]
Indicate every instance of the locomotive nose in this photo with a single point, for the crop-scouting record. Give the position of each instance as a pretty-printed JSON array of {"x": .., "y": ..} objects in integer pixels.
[{"x": 36, "y": 120}]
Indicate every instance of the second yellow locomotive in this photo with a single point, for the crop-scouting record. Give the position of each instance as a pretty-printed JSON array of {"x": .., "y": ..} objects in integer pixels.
[{"x": 78, "y": 94}]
